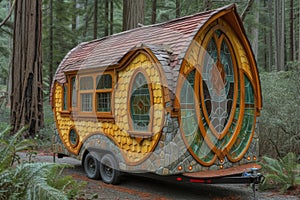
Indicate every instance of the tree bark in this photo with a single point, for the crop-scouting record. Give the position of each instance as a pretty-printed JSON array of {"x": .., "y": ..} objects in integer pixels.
[
  {"x": 86, "y": 19},
  {"x": 277, "y": 33},
  {"x": 106, "y": 20},
  {"x": 178, "y": 7},
  {"x": 50, "y": 43},
  {"x": 95, "y": 19},
  {"x": 133, "y": 13},
  {"x": 282, "y": 37},
  {"x": 299, "y": 36},
  {"x": 154, "y": 6},
  {"x": 27, "y": 86},
  {"x": 111, "y": 17},
  {"x": 270, "y": 38},
  {"x": 292, "y": 37},
  {"x": 256, "y": 32},
  {"x": 74, "y": 15}
]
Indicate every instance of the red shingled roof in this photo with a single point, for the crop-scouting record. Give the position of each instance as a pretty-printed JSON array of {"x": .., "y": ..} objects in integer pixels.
[
  {"x": 176, "y": 34},
  {"x": 168, "y": 41}
]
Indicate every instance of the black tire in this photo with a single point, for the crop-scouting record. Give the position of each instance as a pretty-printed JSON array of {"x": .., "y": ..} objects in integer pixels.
[
  {"x": 109, "y": 170},
  {"x": 91, "y": 166}
]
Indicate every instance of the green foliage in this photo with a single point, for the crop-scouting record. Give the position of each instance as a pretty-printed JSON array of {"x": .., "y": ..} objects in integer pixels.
[
  {"x": 283, "y": 173},
  {"x": 10, "y": 145},
  {"x": 5, "y": 43},
  {"x": 44, "y": 137},
  {"x": 24, "y": 180},
  {"x": 280, "y": 117}
]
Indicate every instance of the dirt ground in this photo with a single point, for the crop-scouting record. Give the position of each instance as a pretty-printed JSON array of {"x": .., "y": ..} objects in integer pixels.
[{"x": 135, "y": 187}]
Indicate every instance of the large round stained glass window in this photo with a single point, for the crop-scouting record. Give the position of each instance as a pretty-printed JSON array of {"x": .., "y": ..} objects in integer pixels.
[{"x": 217, "y": 105}]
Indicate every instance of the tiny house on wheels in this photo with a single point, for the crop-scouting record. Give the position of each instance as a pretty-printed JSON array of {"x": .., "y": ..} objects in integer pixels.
[{"x": 176, "y": 98}]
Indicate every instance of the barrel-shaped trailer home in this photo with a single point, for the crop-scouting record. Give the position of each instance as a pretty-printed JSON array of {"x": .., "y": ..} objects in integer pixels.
[{"x": 176, "y": 98}]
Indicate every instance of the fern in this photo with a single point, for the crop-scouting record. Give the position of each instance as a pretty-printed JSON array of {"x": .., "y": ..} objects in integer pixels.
[
  {"x": 284, "y": 173},
  {"x": 25, "y": 180}
]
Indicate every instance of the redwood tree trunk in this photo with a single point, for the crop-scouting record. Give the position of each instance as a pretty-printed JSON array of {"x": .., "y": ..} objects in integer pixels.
[
  {"x": 133, "y": 13},
  {"x": 27, "y": 87}
]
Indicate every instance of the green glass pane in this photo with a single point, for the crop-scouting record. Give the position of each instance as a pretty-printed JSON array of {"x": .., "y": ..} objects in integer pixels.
[
  {"x": 249, "y": 91},
  {"x": 248, "y": 122},
  {"x": 104, "y": 102},
  {"x": 104, "y": 81},
  {"x": 140, "y": 103},
  {"x": 73, "y": 137},
  {"x": 218, "y": 84}
]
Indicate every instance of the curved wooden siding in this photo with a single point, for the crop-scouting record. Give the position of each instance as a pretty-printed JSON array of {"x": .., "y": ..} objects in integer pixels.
[
  {"x": 165, "y": 54},
  {"x": 135, "y": 148}
]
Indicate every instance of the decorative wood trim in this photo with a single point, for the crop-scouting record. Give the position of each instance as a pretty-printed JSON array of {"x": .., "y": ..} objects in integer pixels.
[{"x": 77, "y": 138}]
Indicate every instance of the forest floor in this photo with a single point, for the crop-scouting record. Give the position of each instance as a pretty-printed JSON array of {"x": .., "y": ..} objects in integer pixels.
[{"x": 141, "y": 188}]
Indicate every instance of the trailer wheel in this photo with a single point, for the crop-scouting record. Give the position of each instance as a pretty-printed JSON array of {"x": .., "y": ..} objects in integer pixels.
[
  {"x": 109, "y": 170},
  {"x": 91, "y": 166}
]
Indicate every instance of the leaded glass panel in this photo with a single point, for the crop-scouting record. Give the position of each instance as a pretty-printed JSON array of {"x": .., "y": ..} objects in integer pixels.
[
  {"x": 103, "y": 102},
  {"x": 140, "y": 103},
  {"x": 218, "y": 84},
  {"x": 104, "y": 81},
  {"x": 86, "y": 102}
]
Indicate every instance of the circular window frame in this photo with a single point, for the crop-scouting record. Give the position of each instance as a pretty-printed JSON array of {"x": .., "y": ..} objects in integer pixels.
[{"x": 73, "y": 145}]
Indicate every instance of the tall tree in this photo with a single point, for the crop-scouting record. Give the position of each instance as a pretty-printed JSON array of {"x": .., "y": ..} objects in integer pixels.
[
  {"x": 270, "y": 38},
  {"x": 207, "y": 5},
  {"x": 106, "y": 18},
  {"x": 133, "y": 13},
  {"x": 27, "y": 87},
  {"x": 299, "y": 35},
  {"x": 292, "y": 37},
  {"x": 178, "y": 8},
  {"x": 153, "y": 14},
  {"x": 95, "y": 19},
  {"x": 51, "y": 43},
  {"x": 111, "y": 17},
  {"x": 279, "y": 34}
]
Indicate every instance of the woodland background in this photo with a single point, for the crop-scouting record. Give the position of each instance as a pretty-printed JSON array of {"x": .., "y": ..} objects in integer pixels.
[{"x": 272, "y": 26}]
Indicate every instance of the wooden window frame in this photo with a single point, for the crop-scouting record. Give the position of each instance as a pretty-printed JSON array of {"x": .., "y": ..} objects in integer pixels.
[
  {"x": 65, "y": 101},
  {"x": 72, "y": 106},
  {"x": 76, "y": 110},
  {"x": 85, "y": 92},
  {"x": 104, "y": 114},
  {"x": 67, "y": 87}
]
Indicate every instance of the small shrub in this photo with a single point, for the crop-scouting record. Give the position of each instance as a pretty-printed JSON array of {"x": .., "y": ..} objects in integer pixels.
[
  {"x": 35, "y": 181},
  {"x": 281, "y": 173}
]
